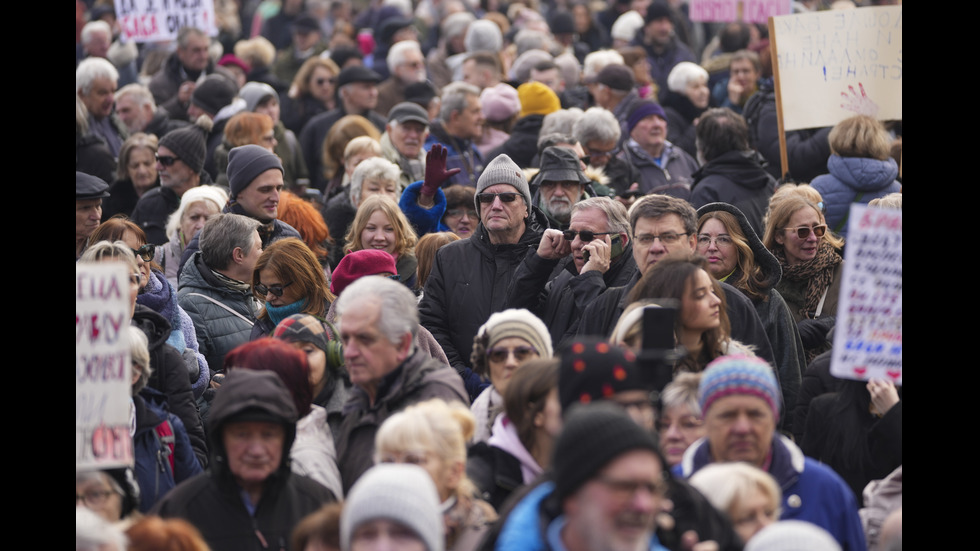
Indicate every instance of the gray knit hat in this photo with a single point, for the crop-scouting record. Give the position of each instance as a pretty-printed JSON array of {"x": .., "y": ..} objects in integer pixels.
[
  {"x": 402, "y": 493},
  {"x": 245, "y": 163},
  {"x": 188, "y": 143},
  {"x": 214, "y": 93},
  {"x": 254, "y": 92},
  {"x": 483, "y": 35},
  {"x": 503, "y": 170}
]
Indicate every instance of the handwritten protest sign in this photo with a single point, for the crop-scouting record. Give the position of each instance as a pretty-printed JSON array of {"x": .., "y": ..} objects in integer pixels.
[
  {"x": 868, "y": 334},
  {"x": 725, "y": 11},
  {"x": 834, "y": 64},
  {"x": 102, "y": 366},
  {"x": 159, "y": 20}
]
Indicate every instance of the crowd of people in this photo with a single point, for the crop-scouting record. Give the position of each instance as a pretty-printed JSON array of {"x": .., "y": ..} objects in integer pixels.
[{"x": 458, "y": 275}]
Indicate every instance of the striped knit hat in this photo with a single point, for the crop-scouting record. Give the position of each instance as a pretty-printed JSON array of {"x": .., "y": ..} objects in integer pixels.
[{"x": 741, "y": 375}]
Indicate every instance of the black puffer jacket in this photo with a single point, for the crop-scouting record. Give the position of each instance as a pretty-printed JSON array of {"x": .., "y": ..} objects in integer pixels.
[
  {"x": 736, "y": 178},
  {"x": 170, "y": 377},
  {"x": 212, "y": 501}
]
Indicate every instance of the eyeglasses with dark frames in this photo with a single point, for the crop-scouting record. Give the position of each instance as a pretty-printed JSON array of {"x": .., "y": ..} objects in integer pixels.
[{"x": 277, "y": 290}]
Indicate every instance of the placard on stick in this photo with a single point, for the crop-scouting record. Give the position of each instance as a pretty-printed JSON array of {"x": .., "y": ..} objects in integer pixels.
[
  {"x": 102, "y": 366},
  {"x": 159, "y": 20},
  {"x": 868, "y": 334}
]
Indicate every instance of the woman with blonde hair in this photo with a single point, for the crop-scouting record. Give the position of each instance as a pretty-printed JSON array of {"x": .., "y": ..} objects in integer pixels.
[
  {"x": 748, "y": 495},
  {"x": 311, "y": 92},
  {"x": 334, "y": 155},
  {"x": 425, "y": 252},
  {"x": 288, "y": 279},
  {"x": 380, "y": 224},
  {"x": 433, "y": 435}
]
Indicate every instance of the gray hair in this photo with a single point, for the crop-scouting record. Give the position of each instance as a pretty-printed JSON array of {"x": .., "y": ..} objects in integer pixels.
[
  {"x": 683, "y": 74},
  {"x": 597, "y": 124},
  {"x": 520, "y": 70},
  {"x": 89, "y": 70},
  {"x": 139, "y": 351},
  {"x": 454, "y": 98},
  {"x": 375, "y": 168},
  {"x": 185, "y": 33},
  {"x": 554, "y": 138},
  {"x": 221, "y": 234},
  {"x": 140, "y": 94},
  {"x": 561, "y": 121},
  {"x": 597, "y": 61},
  {"x": 396, "y": 54},
  {"x": 570, "y": 69},
  {"x": 213, "y": 194},
  {"x": 616, "y": 216},
  {"x": 395, "y": 300},
  {"x": 117, "y": 250},
  {"x": 93, "y": 27},
  {"x": 682, "y": 391}
]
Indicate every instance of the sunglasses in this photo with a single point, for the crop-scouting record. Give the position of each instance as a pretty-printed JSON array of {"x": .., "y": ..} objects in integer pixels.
[
  {"x": 585, "y": 235},
  {"x": 166, "y": 160},
  {"x": 804, "y": 231},
  {"x": 274, "y": 289},
  {"x": 322, "y": 81},
  {"x": 145, "y": 252},
  {"x": 506, "y": 197},
  {"x": 521, "y": 353}
]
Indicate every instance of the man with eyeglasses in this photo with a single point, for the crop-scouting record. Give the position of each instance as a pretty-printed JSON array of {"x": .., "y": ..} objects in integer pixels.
[
  {"x": 608, "y": 488},
  {"x": 406, "y": 63},
  {"x": 180, "y": 164},
  {"x": 662, "y": 225},
  {"x": 599, "y": 133},
  {"x": 470, "y": 277},
  {"x": 572, "y": 268}
]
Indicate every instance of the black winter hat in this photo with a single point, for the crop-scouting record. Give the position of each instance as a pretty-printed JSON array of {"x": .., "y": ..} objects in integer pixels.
[
  {"x": 593, "y": 370},
  {"x": 214, "y": 93},
  {"x": 188, "y": 143}
]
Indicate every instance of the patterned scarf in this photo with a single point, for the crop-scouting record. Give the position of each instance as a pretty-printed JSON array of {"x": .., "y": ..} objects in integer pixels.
[{"x": 818, "y": 273}]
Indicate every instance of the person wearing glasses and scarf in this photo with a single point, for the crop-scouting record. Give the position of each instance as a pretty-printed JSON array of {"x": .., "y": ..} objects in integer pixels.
[{"x": 812, "y": 263}]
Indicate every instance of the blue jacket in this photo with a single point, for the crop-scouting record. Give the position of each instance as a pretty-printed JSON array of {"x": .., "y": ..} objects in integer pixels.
[
  {"x": 850, "y": 176},
  {"x": 423, "y": 220},
  {"x": 153, "y": 471},
  {"x": 812, "y": 491}
]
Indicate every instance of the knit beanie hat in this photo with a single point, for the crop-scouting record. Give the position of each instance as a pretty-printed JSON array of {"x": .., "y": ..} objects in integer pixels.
[
  {"x": 245, "y": 163},
  {"x": 398, "y": 492},
  {"x": 302, "y": 328},
  {"x": 643, "y": 110},
  {"x": 188, "y": 143},
  {"x": 626, "y": 26},
  {"x": 792, "y": 535},
  {"x": 537, "y": 99},
  {"x": 739, "y": 375},
  {"x": 456, "y": 24},
  {"x": 592, "y": 369},
  {"x": 358, "y": 264},
  {"x": 500, "y": 102},
  {"x": 213, "y": 94},
  {"x": 520, "y": 323},
  {"x": 254, "y": 92},
  {"x": 593, "y": 436},
  {"x": 503, "y": 170},
  {"x": 483, "y": 36}
]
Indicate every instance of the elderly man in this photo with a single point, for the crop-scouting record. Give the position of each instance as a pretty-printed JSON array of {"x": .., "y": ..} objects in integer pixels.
[
  {"x": 609, "y": 487},
  {"x": 662, "y": 225},
  {"x": 662, "y": 168},
  {"x": 460, "y": 123},
  {"x": 614, "y": 89},
  {"x": 599, "y": 133},
  {"x": 740, "y": 399},
  {"x": 249, "y": 498},
  {"x": 469, "y": 277},
  {"x": 180, "y": 164},
  {"x": 95, "y": 84},
  {"x": 173, "y": 85},
  {"x": 357, "y": 93},
  {"x": 215, "y": 285},
  {"x": 406, "y": 64},
  {"x": 387, "y": 371},
  {"x": 405, "y": 134},
  {"x": 89, "y": 193},
  {"x": 592, "y": 255},
  {"x": 138, "y": 112},
  {"x": 560, "y": 184}
]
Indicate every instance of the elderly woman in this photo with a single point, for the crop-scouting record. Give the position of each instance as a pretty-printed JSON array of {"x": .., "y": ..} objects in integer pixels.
[
  {"x": 433, "y": 435},
  {"x": 687, "y": 97},
  {"x": 288, "y": 279},
  {"x": 809, "y": 255},
  {"x": 379, "y": 224},
  {"x": 136, "y": 174},
  {"x": 372, "y": 175},
  {"x": 311, "y": 93},
  {"x": 737, "y": 256},
  {"x": 505, "y": 342},
  {"x": 680, "y": 423},
  {"x": 196, "y": 206},
  {"x": 748, "y": 495},
  {"x": 861, "y": 169}
]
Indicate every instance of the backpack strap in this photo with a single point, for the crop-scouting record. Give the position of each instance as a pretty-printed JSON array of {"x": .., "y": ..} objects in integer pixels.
[{"x": 164, "y": 435}]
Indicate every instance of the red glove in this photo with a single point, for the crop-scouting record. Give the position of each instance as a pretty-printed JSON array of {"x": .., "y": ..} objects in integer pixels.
[{"x": 435, "y": 170}]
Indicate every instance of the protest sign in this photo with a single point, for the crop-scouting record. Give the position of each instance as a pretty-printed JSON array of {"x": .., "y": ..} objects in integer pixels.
[
  {"x": 159, "y": 20},
  {"x": 725, "y": 11},
  {"x": 102, "y": 366},
  {"x": 868, "y": 333},
  {"x": 831, "y": 65}
]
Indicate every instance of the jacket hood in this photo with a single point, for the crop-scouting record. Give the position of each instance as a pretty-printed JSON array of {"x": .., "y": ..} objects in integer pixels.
[
  {"x": 763, "y": 258},
  {"x": 744, "y": 168},
  {"x": 863, "y": 174},
  {"x": 155, "y": 326},
  {"x": 250, "y": 395}
]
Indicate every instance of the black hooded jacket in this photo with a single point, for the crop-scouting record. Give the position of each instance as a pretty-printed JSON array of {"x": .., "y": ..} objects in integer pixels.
[{"x": 736, "y": 178}]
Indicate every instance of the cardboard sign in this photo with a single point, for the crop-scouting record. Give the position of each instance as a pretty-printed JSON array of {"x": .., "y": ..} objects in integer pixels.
[
  {"x": 726, "y": 11},
  {"x": 832, "y": 65},
  {"x": 868, "y": 334},
  {"x": 103, "y": 379},
  {"x": 159, "y": 20}
]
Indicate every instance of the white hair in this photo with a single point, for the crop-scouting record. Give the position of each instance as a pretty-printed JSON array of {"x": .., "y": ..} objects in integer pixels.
[
  {"x": 93, "y": 27},
  {"x": 396, "y": 54},
  {"x": 89, "y": 70},
  {"x": 683, "y": 74},
  {"x": 597, "y": 61}
]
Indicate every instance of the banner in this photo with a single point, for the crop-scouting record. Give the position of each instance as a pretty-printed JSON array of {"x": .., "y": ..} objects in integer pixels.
[
  {"x": 159, "y": 20},
  {"x": 835, "y": 64},
  {"x": 868, "y": 334},
  {"x": 726, "y": 11},
  {"x": 103, "y": 380}
]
